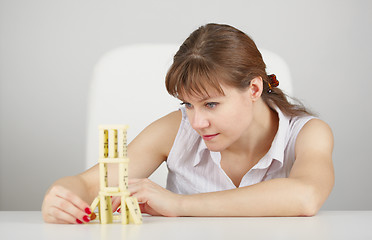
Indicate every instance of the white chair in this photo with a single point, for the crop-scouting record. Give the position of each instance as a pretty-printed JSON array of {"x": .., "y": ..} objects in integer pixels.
[{"x": 128, "y": 87}]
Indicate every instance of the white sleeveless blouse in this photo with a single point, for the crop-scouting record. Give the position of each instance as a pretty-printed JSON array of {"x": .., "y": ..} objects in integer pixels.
[{"x": 195, "y": 169}]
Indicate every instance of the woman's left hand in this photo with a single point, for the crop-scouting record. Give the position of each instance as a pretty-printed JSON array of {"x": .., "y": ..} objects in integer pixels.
[{"x": 153, "y": 199}]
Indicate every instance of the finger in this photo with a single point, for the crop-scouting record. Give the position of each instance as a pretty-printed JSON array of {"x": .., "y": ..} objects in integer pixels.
[
  {"x": 141, "y": 198},
  {"x": 145, "y": 208},
  {"x": 132, "y": 190},
  {"x": 59, "y": 216},
  {"x": 63, "y": 193},
  {"x": 64, "y": 222},
  {"x": 71, "y": 197},
  {"x": 138, "y": 185},
  {"x": 116, "y": 202},
  {"x": 51, "y": 219},
  {"x": 68, "y": 211},
  {"x": 53, "y": 214}
]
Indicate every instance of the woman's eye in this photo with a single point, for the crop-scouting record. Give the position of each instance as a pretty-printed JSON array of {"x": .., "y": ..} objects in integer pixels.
[
  {"x": 211, "y": 104},
  {"x": 187, "y": 105}
]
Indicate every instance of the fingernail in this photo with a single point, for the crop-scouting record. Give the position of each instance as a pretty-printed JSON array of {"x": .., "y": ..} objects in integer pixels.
[
  {"x": 119, "y": 209},
  {"x": 78, "y": 221},
  {"x": 87, "y": 210},
  {"x": 86, "y": 218}
]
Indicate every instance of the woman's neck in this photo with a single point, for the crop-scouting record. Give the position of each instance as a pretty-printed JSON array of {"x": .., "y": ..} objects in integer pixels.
[{"x": 257, "y": 139}]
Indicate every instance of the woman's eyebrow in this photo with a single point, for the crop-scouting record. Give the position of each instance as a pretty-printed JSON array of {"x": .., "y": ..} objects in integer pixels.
[{"x": 202, "y": 99}]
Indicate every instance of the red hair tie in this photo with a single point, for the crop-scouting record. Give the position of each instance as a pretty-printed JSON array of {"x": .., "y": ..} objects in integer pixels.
[{"x": 273, "y": 82}]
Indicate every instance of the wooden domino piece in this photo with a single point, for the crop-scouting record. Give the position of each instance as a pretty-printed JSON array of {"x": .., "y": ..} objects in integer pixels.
[
  {"x": 124, "y": 211},
  {"x": 123, "y": 175},
  {"x": 122, "y": 143},
  {"x": 113, "y": 143},
  {"x": 103, "y": 143},
  {"x": 134, "y": 210},
  {"x": 105, "y": 209},
  {"x": 113, "y": 150},
  {"x": 94, "y": 203}
]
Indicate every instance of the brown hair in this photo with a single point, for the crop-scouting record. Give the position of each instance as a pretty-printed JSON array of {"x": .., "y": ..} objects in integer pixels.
[{"x": 215, "y": 54}]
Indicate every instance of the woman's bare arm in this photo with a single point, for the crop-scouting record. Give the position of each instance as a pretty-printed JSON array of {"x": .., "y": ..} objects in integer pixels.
[
  {"x": 301, "y": 194},
  {"x": 69, "y": 198}
]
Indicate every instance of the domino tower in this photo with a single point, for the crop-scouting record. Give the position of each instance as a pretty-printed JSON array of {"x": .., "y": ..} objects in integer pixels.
[{"x": 113, "y": 150}]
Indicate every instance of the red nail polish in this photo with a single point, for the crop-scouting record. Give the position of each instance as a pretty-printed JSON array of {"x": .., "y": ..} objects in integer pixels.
[
  {"x": 87, "y": 210},
  {"x": 78, "y": 221},
  {"x": 86, "y": 218}
]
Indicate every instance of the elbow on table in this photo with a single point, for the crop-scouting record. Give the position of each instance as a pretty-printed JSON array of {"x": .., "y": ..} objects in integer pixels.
[
  {"x": 308, "y": 211},
  {"x": 311, "y": 202}
]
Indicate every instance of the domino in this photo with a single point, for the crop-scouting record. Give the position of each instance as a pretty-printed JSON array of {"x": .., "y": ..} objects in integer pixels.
[{"x": 113, "y": 150}]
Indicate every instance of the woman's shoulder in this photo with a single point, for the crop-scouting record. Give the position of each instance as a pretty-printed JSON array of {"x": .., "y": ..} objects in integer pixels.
[
  {"x": 305, "y": 128},
  {"x": 315, "y": 133},
  {"x": 296, "y": 124},
  {"x": 315, "y": 126}
]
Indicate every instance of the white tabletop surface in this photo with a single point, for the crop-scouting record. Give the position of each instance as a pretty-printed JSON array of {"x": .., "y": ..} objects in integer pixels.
[{"x": 325, "y": 225}]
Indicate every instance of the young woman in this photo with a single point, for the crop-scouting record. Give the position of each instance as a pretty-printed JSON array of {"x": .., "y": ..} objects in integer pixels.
[{"x": 236, "y": 147}]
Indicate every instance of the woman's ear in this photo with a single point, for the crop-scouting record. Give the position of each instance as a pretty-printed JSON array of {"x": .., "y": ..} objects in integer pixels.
[{"x": 256, "y": 88}]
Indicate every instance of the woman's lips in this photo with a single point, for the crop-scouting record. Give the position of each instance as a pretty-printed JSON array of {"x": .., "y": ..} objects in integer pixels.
[{"x": 209, "y": 137}]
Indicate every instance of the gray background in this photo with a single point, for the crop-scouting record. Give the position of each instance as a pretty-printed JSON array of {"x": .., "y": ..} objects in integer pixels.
[{"x": 48, "y": 50}]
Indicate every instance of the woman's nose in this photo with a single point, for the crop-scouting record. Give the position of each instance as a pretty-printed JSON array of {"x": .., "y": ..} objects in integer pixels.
[{"x": 199, "y": 121}]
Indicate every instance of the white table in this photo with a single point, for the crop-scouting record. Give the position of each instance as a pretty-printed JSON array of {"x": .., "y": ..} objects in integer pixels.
[{"x": 338, "y": 225}]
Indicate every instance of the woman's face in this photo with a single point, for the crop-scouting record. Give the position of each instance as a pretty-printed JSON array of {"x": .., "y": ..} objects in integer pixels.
[{"x": 220, "y": 119}]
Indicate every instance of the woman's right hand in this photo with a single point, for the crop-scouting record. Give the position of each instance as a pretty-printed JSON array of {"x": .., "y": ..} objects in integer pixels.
[{"x": 61, "y": 205}]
